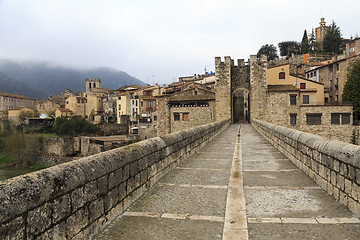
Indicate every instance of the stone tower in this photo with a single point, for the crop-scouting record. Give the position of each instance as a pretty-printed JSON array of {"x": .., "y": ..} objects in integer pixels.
[
  {"x": 320, "y": 33},
  {"x": 258, "y": 86},
  {"x": 223, "y": 88},
  {"x": 232, "y": 90},
  {"x": 92, "y": 83}
]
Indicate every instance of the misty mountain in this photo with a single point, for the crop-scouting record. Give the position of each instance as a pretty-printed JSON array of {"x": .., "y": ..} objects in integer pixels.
[{"x": 40, "y": 80}]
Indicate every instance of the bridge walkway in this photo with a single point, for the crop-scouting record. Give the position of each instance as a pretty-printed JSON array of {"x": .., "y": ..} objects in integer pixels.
[
  {"x": 235, "y": 188},
  {"x": 282, "y": 202}
]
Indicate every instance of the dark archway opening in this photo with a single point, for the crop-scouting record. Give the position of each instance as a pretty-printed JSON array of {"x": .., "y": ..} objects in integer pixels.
[{"x": 240, "y": 106}]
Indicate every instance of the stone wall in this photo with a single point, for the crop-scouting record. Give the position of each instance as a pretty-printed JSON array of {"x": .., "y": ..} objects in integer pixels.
[
  {"x": 197, "y": 116},
  {"x": 356, "y": 134},
  {"x": 115, "y": 129},
  {"x": 74, "y": 199},
  {"x": 334, "y": 165},
  {"x": 278, "y": 110}
]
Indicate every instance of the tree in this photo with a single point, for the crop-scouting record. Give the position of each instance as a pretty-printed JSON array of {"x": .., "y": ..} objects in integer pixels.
[
  {"x": 73, "y": 126},
  {"x": 352, "y": 90},
  {"x": 332, "y": 40},
  {"x": 305, "y": 43},
  {"x": 288, "y": 48},
  {"x": 269, "y": 50},
  {"x": 313, "y": 45}
]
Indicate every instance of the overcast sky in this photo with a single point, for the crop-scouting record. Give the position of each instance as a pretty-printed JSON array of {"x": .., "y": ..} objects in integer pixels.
[{"x": 159, "y": 40}]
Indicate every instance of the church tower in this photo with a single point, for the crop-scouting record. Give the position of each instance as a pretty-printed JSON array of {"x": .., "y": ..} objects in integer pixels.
[{"x": 92, "y": 83}]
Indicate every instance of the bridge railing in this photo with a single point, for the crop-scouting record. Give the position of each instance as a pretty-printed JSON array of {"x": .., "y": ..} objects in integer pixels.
[
  {"x": 334, "y": 165},
  {"x": 74, "y": 199}
]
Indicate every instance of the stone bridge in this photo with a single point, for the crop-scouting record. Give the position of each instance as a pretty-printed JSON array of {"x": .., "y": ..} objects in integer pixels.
[{"x": 216, "y": 181}]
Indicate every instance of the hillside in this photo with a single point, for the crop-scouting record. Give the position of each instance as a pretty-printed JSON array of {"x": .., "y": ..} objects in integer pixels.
[{"x": 39, "y": 80}]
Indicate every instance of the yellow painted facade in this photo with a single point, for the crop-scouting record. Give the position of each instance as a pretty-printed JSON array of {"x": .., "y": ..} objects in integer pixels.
[{"x": 313, "y": 91}]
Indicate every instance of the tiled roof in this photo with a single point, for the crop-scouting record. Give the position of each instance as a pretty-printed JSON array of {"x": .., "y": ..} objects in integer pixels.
[
  {"x": 281, "y": 88},
  {"x": 15, "y": 96}
]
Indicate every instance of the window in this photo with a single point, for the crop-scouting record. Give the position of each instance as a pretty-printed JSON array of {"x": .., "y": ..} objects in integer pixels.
[
  {"x": 314, "y": 74},
  {"x": 340, "y": 118},
  {"x": 119, "y": 107},
  {"x": 149, "y": 103},
  {"x": 306, "y": 99},
  {"x": 335, "y": 118},
  {"x": 345, "y": 118},
  {"x": 292, "y": 99},
  {"x": 313, "y": 118},
  {"x": 176, "y": 116},
  {"x": 119, "y": 98},
  {"x": 337, "y": 67},
  {"x": 293, "y": 118},
  {"x": 281, "y": 75},
  {"x": 155, "y": 118},
  {"x": 141, "y": 103},
  {"x": 326, "y": 100},
  {"x": 302, "y": 85},
  {"x": 186, "y": 116},
  {"x": 308, "y": 75},
  {"x": 311, "y": 74}
]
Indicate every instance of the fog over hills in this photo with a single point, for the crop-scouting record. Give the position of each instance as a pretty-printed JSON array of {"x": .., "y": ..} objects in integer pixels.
[{"x": 41, "y": 79}]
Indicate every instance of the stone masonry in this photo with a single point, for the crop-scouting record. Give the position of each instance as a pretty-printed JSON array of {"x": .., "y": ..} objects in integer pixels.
[{"x": 73, "y": 200}]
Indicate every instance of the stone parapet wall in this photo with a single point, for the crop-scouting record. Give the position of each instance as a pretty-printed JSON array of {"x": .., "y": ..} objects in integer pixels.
[
  {"x": 334, "y": 165},
  {"x": 356, "y": 135},
  {"x": 73, "y": 200}
]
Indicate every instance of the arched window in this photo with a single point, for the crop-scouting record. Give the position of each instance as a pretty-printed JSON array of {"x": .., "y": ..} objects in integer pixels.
[{"x": 281, "y": 75}]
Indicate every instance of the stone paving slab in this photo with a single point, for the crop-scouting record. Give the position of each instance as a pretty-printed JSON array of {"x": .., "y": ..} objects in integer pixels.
[
  {"x": 182, "y": 200},
  {"x": 262, "y": 156},
  {"x": 197, "y": 177},
  {"x": 293, "y": 178},
  {"x": 274, "y": 231},
  {"x": 263, "y": 165},
  {"x": 160, "y": 228},
  {"x": 212, "y": 164},
  {"x": 293, "y": 203}
]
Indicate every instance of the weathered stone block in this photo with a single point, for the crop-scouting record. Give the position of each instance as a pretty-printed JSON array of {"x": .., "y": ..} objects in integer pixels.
[
  {"x": 343, "y": 169},
  {"x": 39, "y": 219},
  {"x": 13, "y": 230},
  {"x": 76, "y": 222},
  {"x": 333, "y": 178},
  {"x": 355, "y": 192},
  {"x": 77, "y": 199},
  {"x": 111, "y": 199},
  {"x": 115, "y": 178},
  {"x": 102, "y": 184},
  {"x": 57, "y": 232},
  {"x": 351, "y": 173},
  {"x": 142, "y": 164},
  {"x": 336, "y": 166},
  {"x": 133, "y": 169},
  {"x": 122, "y": 191},
  {"x": 347, "y": 186},
  {"x": 96, "y": 209},
  {"x": 61, "y": 208},
  {"x": 340, "y": 182},
  {"x": 90, "y": 191},
  {"x": 126, "y": 173}
]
